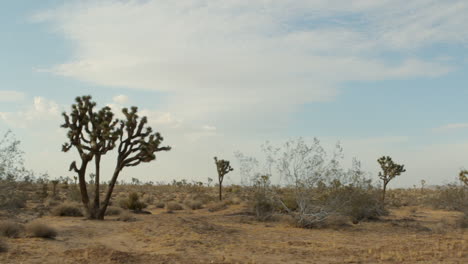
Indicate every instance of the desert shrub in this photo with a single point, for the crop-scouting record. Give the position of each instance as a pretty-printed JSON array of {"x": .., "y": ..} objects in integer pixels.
[
  {"x": 263, "y": 202},
  {"x": 36, "y": 229},
  {"x": 194, "y": 204},
  {"x": 112, "y": 210},
  {"x": 462, "y": 222},
  {"x": 126, "y": 217},
  {"x": 132, "y": 202},
  {"x": 67, "y": 209},
  {"x": 160, "y": 204},
  {"x": 358, "y": 203},
  {"x": 11, "y": 198},
  {"x": 450, "y": 197},
  {"x": 74, "y": 194},
  {"x": 173, "y": 206},
  {"x": 10, "y": 229},
  {"x": 217, "y": 206},
  {"x": 3, "y": 246}
]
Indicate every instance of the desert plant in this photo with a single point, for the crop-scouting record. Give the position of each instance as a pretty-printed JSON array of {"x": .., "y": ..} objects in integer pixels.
[
  {"x": 125, "y": 216},
  {"x": 3, "y": 246},
  {"x": 173, "y": 206},
  {"x": 112, "y": 210},
  {"x": 223, "y": 167},
  {"x": 463, "y": 177},
  {"x": 133, "y": 202},
  {"x": 93, "y": 134},
  {"x": 160, "y": 205},
  {"x": 54, "y": 187},
  {"x": 389, "y": 171},
  {"x": 217, "y": 206},
  {"x": 67, "y": 209},
  {"x": 37, "y": 229},
  {"x": 10, "y": 229},
  {"x": 194, "y": 204}
]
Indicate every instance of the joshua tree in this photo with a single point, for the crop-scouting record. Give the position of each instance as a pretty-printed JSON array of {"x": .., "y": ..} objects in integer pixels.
[
  {"x": 54, "y": 187},
  {"x": 463, "y": 177},
  {"x": 138, "y": 143},
  {"x": 389, "y": 171},
  {"x": 93, "y": 134},
  {"x": 223, "y": 168}
]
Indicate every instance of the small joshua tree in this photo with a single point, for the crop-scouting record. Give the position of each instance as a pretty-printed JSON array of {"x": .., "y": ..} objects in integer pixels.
[
  {"x": 223, "y": 168},
  {"x": 389, "y": 171}
]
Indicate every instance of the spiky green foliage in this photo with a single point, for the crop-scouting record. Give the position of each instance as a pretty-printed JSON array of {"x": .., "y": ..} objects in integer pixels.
[
  {"x": 223, "y": 167},
  {"x": 390, "y": 170}
]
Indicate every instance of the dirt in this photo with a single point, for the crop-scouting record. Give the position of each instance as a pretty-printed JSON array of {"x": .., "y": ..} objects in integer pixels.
[{"x": 408, "y": 235}]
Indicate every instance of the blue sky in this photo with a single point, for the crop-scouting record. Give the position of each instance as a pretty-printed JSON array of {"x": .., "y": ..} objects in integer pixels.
[{"x": 381, "y": 77}]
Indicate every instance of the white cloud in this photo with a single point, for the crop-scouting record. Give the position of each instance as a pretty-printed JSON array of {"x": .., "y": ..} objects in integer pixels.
[
  {"x": 40, "y": 111},
  {"x": 120, "y": 99},
  {"x": 11, "y": 96},
  {"x": 452, "y": 126},
  {"x": 231, "y": 55}
]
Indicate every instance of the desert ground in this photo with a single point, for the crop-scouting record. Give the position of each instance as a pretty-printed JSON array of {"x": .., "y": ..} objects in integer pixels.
[{"x": 232, "y": 234}]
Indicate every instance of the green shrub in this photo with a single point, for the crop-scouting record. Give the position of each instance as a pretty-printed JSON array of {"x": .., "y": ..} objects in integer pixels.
[
  {"x": 10, "y": 229},
  {"x": 36, "y": 229},
  {"x": 67, "y": 209}
]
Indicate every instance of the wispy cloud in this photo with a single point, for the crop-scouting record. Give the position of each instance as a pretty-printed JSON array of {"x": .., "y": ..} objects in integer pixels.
[
  {"x": 253, "y": 55},
  {"x": 452, "y": 126},
  {"x": 11, "y": 96}
]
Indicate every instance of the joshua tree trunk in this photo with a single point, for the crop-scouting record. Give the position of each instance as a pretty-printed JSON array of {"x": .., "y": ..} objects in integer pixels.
[
  {"x": 220, "y": 190},
  {"x": 383, "y": 192},
  {"x": 105, "y": 203},
  {"x": 96, "y": 205}
]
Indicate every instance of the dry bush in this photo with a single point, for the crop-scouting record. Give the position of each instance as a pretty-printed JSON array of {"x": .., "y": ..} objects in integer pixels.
[
  {"x": 194, "y": 204},
  {"x": 462, "y": 222},
  {"x": 67, "y": 209},
  {"x": 126, "y": 217},
  {"x": 112, "y": 210},
  {"x": 3, "y": 246},
  {"x": 449, "y": 197},
  {"x": 173, "y": 206},
  {"x": 74, "y": 194},
  {"x": 10, "y": 229},
  {"x": 160, "y": 205},
  {"x": 37, "y": 229},
  {"x": 11, "y": 198},
  {"x": 132, "y": 202},
  {"x": 217, "y": 206}
]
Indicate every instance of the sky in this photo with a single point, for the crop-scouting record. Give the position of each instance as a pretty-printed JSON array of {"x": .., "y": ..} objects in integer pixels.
[{"x": 381, "y": 77}]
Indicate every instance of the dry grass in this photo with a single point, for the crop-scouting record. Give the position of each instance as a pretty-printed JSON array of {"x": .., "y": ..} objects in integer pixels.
[
  {"x": 194, "y": 204},
  {"x": 112, "y": 210},
  {"x": 218, "y": 206},
  {"x": 126, "y": 216},
  {"x": 37, "y": 229},
  {"x": 10, "y": 229},
  {"x": 67, "y": 209},
  {"x": 173, "y": 206}
]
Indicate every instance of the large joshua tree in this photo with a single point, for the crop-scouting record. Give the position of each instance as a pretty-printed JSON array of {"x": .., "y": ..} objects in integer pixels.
[
  {"x": 223, "y": 167},
  {"x": 389, "y": 171},
  {"x": 94, "y": 134}
]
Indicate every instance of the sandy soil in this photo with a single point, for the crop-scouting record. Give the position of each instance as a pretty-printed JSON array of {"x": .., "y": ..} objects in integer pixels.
[{"x": 230, "y": 236}]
